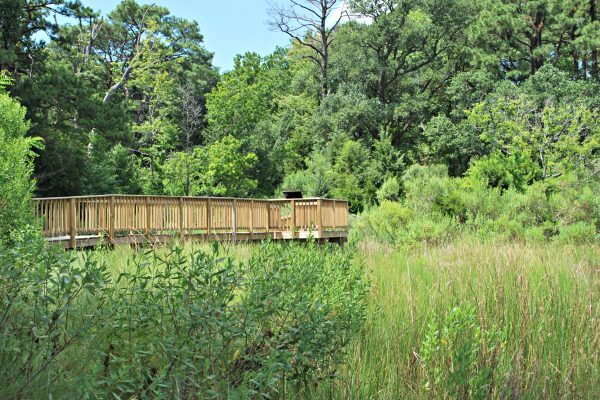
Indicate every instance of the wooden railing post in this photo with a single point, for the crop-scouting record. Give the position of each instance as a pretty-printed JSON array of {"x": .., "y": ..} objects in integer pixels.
[
  {"x": 234, "y": 220},
  {"x": 111, "y": 219},
  {"x": 334, "y": 219},
  {"x": 148, "y": 218},
  {"x": 268, "y": 216},
  {"x": 208, "y": 217},
  {"x": 72, "y": 223},
  {"x": 320, "y": 218},
  {"x": 293, "y": 219},
  {"x": 251, "y": 219},
  {"x": 180, "y": 217}
]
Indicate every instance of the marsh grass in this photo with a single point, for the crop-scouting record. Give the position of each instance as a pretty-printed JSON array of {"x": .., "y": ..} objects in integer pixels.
[
  {"x": 542, "y": 303},
  {"x": 530, "y": 321}
]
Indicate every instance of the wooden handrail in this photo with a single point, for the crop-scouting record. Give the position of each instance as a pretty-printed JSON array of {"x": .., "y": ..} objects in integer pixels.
[{"x": 116, "y": 216}]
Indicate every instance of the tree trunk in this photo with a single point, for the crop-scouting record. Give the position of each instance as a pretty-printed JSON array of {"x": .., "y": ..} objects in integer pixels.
[
  {"x": 594, "y": 67},
  {"x": 536, "y": 42},
  {"x": 325, "y": 49}
]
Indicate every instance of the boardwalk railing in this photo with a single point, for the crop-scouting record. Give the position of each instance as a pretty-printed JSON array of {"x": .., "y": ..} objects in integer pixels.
[{"x": 88, "y": 220}]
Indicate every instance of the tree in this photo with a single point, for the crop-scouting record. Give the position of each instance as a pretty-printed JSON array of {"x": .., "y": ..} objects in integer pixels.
[
  {"x": 183, "y": 172},
  {"x": 192, "y": 118},
  {"x": 16, "y": 165},
  {"x": 535, "y": 144},
  {"x": 404, "y": 37},
  {"x": 228, "y": 169},
  {"x": 307, "y": 22}
]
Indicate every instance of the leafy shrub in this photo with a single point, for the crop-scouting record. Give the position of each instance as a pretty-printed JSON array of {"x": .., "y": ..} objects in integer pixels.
[
  {"x": 437, "y": 209},
  {"x": 432, "y": 231},
  {"x": 49, "y": 306},
  {"x": 176, "y": 324},
  {"x": 390, "y": 190},
  {"x": 16, "y": 166},
  {"x": 315, "y": 181},
  {"x": 459, "y": 355},
  {"x": 577, "y": 233},
  {"x": 424, "y": 185},
  {"x": 305, "y": 308},
  {"x": 383, "y": 223},
  {"x": 497, "y": 170}
]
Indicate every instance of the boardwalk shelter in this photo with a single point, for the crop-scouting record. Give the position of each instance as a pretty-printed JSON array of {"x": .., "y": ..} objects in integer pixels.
[{"x": 85, "y": 221}]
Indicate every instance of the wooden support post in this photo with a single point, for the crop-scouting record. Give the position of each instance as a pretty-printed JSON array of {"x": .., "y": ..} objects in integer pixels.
[
  {"x": 268, "y": 216},
  {"x": 234, "y": 220},
  {"x": 293, "y": 221},
  {"x": 320, "y": 218},
  {"x": 72, "y": 223},
  {"x": 334, "y": 221},
  {"x": 148, "y": 224},
  {"x": 208, "y": 217},
  {"x": 111, "y": 219},
  {"x": 180, "y": 229},
  {"x": 251, "y": 219}
]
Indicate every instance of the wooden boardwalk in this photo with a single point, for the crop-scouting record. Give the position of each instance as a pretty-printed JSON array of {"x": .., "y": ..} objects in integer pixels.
[{"x": 86, "y": 221}]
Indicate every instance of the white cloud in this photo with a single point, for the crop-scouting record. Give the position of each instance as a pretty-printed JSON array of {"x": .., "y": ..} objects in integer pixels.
[{"x": 343, "y": 8}]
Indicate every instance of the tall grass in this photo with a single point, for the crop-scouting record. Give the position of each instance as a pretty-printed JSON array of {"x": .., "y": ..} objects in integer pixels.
[
  {"x": 534, "y": 324},
  {"x": 475, "y": 319}
]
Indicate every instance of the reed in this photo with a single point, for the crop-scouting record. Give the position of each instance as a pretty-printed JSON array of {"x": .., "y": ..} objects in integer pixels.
[{"x": 542, "y": 303}]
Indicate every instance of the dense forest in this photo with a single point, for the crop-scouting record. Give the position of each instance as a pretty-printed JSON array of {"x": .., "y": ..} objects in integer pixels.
[{"x": 130, "y": 102}]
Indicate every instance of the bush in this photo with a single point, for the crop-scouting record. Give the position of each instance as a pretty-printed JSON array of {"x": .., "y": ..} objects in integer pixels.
[
  {"x": 383, "y": 223},
  {"x": 176, "y": 324},
  {"x": 424, "y": 185},
  {"x": 459, "y": 355},
  {"x": 16, "y": 167},
  {"x": 578, "y": 233},
  {"x": 437, "y": 209},
  {"x": 389, "y": 191},
  {"x": 49, "y": 307}
]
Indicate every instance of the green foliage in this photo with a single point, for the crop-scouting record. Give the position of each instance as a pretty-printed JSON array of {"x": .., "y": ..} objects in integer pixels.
[
  {"x": 438, "y": 209},
  {"x": 384, "y": 223},
  {"x": 175, "y": 323},
  {"x": 506, "y": 90},
  {"x": 459, "y": 355},
  {"x": 390, "y": 190},
  {"x": 182, "y": 173},
  {"x": 516, "y": 170},
  {"x": 315, "y": 180},
  {"x": 228, "y": 169},
  {"x": 16, "y": 166},
  {"x": 579, "y": 233},
  {"x": 247, "y": 94},
  {"x": 530, "y": 144},
  {"x": 222, "y": 169},
  {"x": 50, "y": 307},
  {"x": 117, "y": 172}
]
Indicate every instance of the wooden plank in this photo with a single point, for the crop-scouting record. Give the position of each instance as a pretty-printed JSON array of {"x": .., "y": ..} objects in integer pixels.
[
  {"x": 251, "y": 227},
  {"x": 293, "y": 217},
  {"x": 268, "y": 216},
  {"x": 180, "y": 227},
  {"x": 334, "y": 222},
  {"x": 148, "y": 224},
  {"x": 234, "y": 220},
  {"x": 72, "y": 223},
  {"x": 208, "y": 216},
  {"x": 320, "y": 218},
  {"x": 111, "y": 219}
]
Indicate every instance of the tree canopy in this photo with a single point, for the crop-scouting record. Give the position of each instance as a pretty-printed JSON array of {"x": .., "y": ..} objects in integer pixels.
[{"x": 502, "y": 91}]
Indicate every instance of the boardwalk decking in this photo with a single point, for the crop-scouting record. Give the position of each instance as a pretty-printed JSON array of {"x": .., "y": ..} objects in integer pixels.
[{"x": 85, "y": 221}]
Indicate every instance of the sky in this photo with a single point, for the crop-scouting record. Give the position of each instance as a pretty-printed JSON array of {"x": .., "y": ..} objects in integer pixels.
[{"x": 229, "y": 27}]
